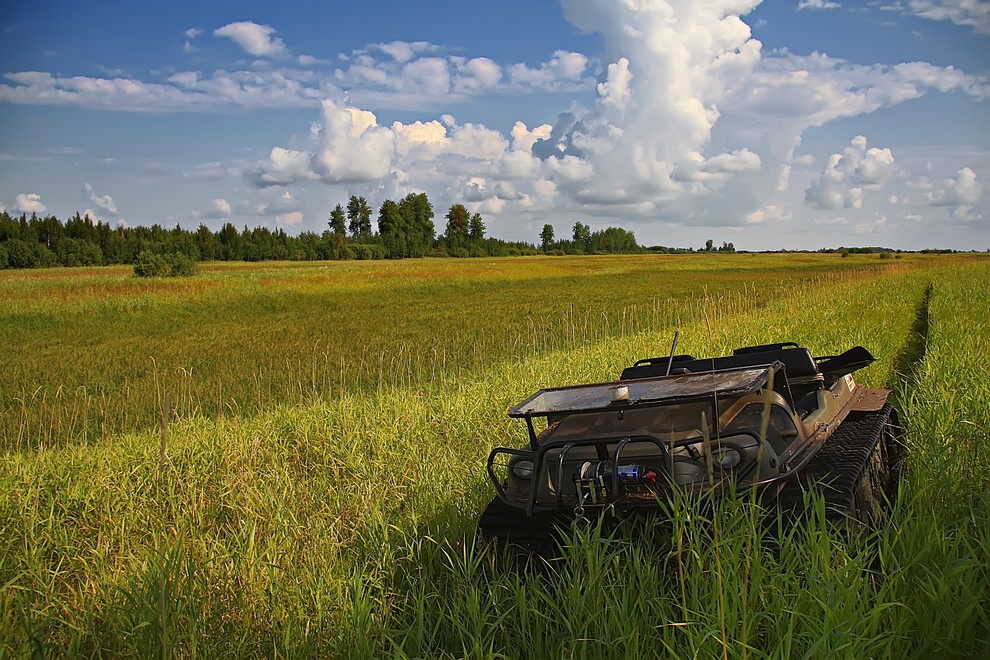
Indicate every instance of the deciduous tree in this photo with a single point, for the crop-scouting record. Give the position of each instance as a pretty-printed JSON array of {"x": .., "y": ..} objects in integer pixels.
[
  {"x": 359, "y": 217},
  {"x": 420, "y": 231},
  {"x": 392, "y": 229},
  {"x": 457, "y": 226},
  {"x": 338, "y": 220},
  {"x": 582, "y": 237},
  {"x": 546, "y": 237}
]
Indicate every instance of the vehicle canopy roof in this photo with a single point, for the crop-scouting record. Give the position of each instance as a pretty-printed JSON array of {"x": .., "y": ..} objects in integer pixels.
[{"x": 661, "y": 390}]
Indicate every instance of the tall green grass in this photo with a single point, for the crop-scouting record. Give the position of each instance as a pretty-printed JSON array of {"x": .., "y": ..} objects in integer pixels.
[{"x": 343, "y": 526}]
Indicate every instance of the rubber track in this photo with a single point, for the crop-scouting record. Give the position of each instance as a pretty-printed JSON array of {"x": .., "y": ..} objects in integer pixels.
[{"x": 837, "y": 466}]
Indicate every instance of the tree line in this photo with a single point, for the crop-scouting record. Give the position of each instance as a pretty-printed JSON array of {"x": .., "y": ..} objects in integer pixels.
[
  {"x": 611, "y": 240},
  {"x": 405, "y": 229}
]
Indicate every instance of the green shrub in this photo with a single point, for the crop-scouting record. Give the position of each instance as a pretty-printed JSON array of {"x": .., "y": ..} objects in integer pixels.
[
  {"x": 149, "y": 264},
  {"x": 182, "y": 265}
]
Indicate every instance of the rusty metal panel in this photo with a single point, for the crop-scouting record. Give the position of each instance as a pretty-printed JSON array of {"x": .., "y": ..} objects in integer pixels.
[{"x": 870, "y": 399}]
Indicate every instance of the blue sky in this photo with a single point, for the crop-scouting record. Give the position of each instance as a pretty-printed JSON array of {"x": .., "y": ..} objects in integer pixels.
[{"x": 792, "y": 124}]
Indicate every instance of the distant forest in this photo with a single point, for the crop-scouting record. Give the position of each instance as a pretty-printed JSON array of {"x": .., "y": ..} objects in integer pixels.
[{"x": 405, "y": 229}]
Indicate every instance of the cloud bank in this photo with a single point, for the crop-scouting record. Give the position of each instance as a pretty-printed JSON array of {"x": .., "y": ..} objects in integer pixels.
[{"x": 690, "y": 123}]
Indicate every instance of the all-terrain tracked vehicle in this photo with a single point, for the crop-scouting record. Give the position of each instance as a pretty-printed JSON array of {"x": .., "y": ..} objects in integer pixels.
[{"x": 769, "y": 417}]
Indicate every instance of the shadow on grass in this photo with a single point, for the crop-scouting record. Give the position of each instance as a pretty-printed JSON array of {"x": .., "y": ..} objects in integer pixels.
[{"x": 913, "y": 351}]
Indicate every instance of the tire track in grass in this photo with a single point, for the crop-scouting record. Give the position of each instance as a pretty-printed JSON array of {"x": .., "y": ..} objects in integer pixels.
[{"x": 908, "y": 359}]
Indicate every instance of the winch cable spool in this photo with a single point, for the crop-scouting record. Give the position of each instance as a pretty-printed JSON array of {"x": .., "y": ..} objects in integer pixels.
[{"x": 592, "y": 479}]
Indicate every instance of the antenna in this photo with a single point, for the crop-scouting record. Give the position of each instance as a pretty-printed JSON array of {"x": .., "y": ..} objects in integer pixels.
[{"x": 673, "y": 349}]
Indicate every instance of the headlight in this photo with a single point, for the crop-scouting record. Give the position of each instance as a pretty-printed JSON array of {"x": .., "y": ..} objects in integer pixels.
[
  {"x": 523, "y": 469},
  {"x": 725, "y": 458}
]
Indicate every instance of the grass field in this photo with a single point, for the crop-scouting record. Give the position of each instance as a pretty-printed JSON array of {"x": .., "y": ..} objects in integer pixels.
[
  {"x": 87, "y": 353},
  {"x": 326, "y": 445}
]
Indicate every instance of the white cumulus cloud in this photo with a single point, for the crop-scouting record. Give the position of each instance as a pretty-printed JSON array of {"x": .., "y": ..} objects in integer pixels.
[
  {"x": 477, "y": 141},
  {"x": 29, "y": 203},
  {"x": 403, "y": 51},
  {"x": 283, "y": 167},
  {"x": 219, "y": 210},
  {"x": 615, "y": 91},
  {"x": 104, "y": 202},
  {"x": 477, "y": 74},
  {"x": 563, "y": 66},
  {"x": 291, "y": 219},
  {"x": 429, "y": 75},
  {"x": 847, "y": 177},
  {"x": 769, "y": 212},
  {"x": 961, "y": 190},
  {"x": 972, "y": 13},
  {"x": 255, "y": 39},
  {"x": 421, "y": 139},
  {"x": 519, "y": 164},
  {"x": 352, "y": 148},
  {"x": 817, "y": 4},
  {"x": 659, "y": 101},
  {"x": 191, "y": 35}
]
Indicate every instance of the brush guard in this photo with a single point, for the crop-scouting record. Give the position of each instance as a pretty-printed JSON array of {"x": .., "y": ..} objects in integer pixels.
[{"x": 605, "y": 482}]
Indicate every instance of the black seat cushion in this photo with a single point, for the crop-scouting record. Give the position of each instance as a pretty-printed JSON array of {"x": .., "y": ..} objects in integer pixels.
[{"x": 798, "y": 364}]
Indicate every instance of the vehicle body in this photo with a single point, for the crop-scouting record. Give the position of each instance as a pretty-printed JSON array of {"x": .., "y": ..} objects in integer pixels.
[{"x": 770, "y": 417}]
